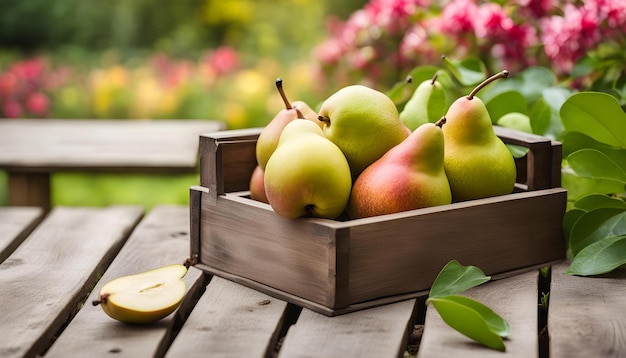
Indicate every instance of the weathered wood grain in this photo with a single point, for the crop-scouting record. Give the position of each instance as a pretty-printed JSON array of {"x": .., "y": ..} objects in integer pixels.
[
  {"x": 33, "y": 145},
  {"x": 46, "y": 278},
  {"x": 378, "y": 332},
  {"x": 587, "y": 315},
  {"x": 230, "y": 320},
  {"x": 15, "y": 225},
  {"x": 162, "y": 238},
  {"x": 513, "y": 298}
]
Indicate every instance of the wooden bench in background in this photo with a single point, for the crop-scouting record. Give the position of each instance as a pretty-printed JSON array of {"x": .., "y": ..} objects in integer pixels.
[{"x": 32, "y": 149}]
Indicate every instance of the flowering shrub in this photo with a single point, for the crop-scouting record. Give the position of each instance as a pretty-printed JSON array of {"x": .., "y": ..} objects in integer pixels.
[{"x": 382, "y": 41}]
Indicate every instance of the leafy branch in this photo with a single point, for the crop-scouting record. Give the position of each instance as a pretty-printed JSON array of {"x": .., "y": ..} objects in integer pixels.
[{"x": 469, "y": 317}]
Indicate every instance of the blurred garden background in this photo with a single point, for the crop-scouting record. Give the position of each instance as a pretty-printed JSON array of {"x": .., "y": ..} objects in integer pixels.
[{"x": 218, "y": 59}]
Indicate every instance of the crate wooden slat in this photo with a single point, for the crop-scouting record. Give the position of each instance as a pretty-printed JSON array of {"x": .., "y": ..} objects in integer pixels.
[
  {"x": 587, "y": 315},
  {"x": 15, "y": 225},
  {"x": 378, "y": 332},
  {"x": 513, "y": 298},
  {"x": 335, "y": 266},
  {"x": 46, "y": 278},
  {"x": 160, "y": 239}
]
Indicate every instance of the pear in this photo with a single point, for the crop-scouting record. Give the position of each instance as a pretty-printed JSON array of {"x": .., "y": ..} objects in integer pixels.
[
  {"x": 363, "y": 122},
  {"x": 426, "y": 105},
  {"x": 257, "y": 185},
  {"x": 144, "y": 297},
  {"x": 478, "y": 164},
  {"x": 516, "y": 120},
  {"x": 409, "y": 176},
  {"x": 307, "y": 175},
  {"x": 268, "y": 138}
]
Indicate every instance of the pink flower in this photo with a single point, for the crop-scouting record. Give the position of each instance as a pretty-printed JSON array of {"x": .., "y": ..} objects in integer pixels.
[
  {"x": 458, "y": 17},
  {"x": 37, "y": 103},
  {"x": 535, "y": 8},
  {"x": 224, "y": 59},
  {"x": 566, "y": 39},
  {"x": 11, "y": 108},
  {"x": 492, "y": 22}
]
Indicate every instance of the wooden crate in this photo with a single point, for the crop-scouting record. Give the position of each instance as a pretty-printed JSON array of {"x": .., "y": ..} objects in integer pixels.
[{"x": 335, "y": 267}]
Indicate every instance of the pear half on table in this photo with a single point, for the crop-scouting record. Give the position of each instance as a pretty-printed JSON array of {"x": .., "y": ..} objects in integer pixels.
[{"x": 144, "y": 297}]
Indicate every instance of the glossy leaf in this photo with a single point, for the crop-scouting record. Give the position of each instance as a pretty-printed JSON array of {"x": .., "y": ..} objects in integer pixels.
[
  {"x": 592, "y": 163},
  {"x": 596, "y": 114},
  {"x": 455, "y": 278},
  {"x": 569, "y": 219},
  {"x": 554, "y": 97},
  {"x": 596, "y": 225},
  {"x": 579, "y": 187},
  {"x": 600, "y": 257},
  {"x": 574, "y": 141},
  {"x": 506, "y": 102},
  {"x": 597, "y": 201},
  {"x": 540, "y": 116},
  {"x": 469, "y": 71},
  {"x": 473, "y": 319}
]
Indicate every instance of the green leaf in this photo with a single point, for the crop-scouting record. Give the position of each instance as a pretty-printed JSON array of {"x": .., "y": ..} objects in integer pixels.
[
  {"x": 597, "y": 114},
  {"x": 540, "y": 116},
  {"x": 596, "y": 225},
  {"x": 600, "y": 257},
  {"x": 469, "y": 72},
  {"x": 578, "y": 187},
  {"x": 597, "y": 201},
  {"x": 455, "y": 278},
  {"x": 574, "y": 141},
  {"x": 473, "y": 319},
  {"x": 554, "y": 97},
  {"x": 535, "y": 80},
  {"x": 506, "y": 102},
  {"x": 592, "y": 163},
  {"x": 569, "y": 219}
]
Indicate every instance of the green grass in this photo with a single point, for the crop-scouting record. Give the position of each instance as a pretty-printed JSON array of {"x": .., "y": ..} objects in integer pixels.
[{"x": 96, "y": 189}]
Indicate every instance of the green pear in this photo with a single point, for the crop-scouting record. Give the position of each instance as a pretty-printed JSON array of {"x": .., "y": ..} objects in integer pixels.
[
  {"x": 516, "y": 120},
  {"x": 409, "y": 176},
  {"x": 144, "y": 297},
  {"x": 426, "y": 105},
  {"x": 478, "y": 164},
  {"x": 307, "y": 175},
  {"x": 363, "y": 122},
  {"x": 268, "y": 138}
]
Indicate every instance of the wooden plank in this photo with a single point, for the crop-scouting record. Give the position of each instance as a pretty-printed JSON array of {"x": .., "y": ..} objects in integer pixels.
[
  {"x": 162, "y": 238},
  {"x": 513, "y": 298},
  {"x": 131, "y": 145},
  {"x": 47, "y": 277},
  {"x": 230, "y": 320},
  {"x": 377, "y": 332},
  {"x": 15, "y": 225},
  {"x": 587, "y": 315}
]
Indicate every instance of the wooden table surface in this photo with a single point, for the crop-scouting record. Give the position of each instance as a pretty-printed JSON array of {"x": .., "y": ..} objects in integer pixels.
[
  {"x": 32, "y": 149},
  {"x": 54, "y": 264}
]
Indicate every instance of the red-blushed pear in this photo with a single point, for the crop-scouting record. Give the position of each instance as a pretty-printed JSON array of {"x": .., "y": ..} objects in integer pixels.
[
  {"x": 268, "y": 138},
  {"x": 409, "y": 176},
  {"x": 363, "y": 122},
  {"x": 144, "y": 297},
  {"x": 478, "y": 164},
  {"x": 257, "y": 185},
  {"x": 307, "y": 175}
]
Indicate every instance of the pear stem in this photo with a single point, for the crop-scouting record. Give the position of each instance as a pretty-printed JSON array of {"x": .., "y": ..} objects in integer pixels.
[
  {"x": 503, "y": 74},
  {"x": 103, "y": 299},
  {"x": 281, "y": 91},
  {"x": 441, "y": 122},
  {"x": 434, "y": 78}
]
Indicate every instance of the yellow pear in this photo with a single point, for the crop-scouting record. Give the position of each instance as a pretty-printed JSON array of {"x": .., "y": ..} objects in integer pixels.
[
  {"x": 477, "y": 163},
  {"x": 144, "y": 297}
]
